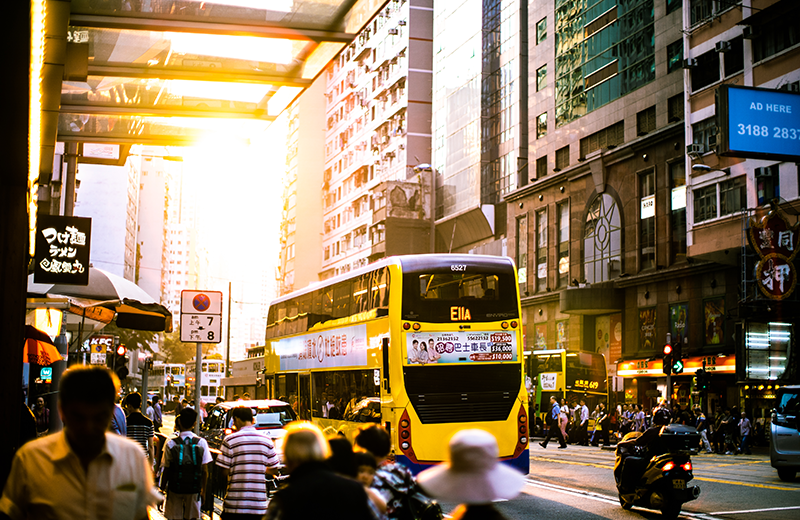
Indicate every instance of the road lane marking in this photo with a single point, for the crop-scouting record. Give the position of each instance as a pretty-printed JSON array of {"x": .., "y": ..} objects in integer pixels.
[
  {"x": 754, "y": 510},
  {"x": 559, "y": 461},
  {"x": 607, "y": 499},
  {"x": 764, "y": 486},
  {"x": 740, "y": 463}
]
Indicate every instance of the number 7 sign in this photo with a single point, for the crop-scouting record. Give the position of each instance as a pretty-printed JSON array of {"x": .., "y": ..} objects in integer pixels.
[{"x": 201, "y": 316}]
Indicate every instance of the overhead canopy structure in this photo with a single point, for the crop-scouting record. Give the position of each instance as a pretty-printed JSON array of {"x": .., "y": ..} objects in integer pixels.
[{"x": 154, "y": 71}]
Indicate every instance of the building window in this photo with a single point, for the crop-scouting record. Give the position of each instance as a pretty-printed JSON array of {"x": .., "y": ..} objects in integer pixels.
[
  {"x": 647, "y": 219},
  {"x": 562, "y": 210},
  {"x": 541, "y": 78},
  {"x": 541, "y": 125},
  {"x": 705, "y": 133},
  {"x": 541, "y": 250},
  {"x": 541, "y": 30},
  {"x": 602, "y": 240},
  {"x": 611, "y": 136},
  {"x": 673, "y": 5},
  {"x": 768, "y": 184},
  {"x": 675, "y": 56},
  {"x": 705, "y": 203},
  {"x": 522, "y": 252},
  {"x": 541, "y": 167},
  {"x": 701, "y": 10},
  {"x": 706, "y": 70},
  {"x": 646, "y": 120},
  {"x": 732, "y": 196},
  {"x": 562, "y": 158},
  {"x": 775, "y": 36},
  {"x": 675, "y": 108},
  {"x": 677, "y": 175},
  {"x": 734, "y": 57}
]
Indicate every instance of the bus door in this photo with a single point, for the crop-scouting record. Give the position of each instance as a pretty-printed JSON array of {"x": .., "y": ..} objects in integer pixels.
[{"x": 304, "y": 397}]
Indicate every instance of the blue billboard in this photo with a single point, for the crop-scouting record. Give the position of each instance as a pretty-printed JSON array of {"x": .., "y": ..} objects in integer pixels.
[{"x": 759, "y": 123}]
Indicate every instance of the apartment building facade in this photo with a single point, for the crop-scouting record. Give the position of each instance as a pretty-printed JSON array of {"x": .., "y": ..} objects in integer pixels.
[
  {"x": 730, "y": 45},
  {"x": 599, "y": 231},
  {"x": 377, "y": 129}
]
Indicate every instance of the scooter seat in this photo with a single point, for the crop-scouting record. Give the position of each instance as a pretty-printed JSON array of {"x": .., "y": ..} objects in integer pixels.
[{"x": 632, "y": 470}]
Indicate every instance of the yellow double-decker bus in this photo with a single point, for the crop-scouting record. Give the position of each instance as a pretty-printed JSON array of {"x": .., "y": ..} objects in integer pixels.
[{"x": 425, "y": 345}]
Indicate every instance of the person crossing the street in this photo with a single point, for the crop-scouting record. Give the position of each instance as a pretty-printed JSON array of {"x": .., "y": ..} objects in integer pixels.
[{"x": 553, "y": 429}]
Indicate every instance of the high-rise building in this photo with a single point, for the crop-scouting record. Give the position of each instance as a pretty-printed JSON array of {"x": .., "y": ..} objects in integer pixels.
[
  {"x": 377, "y": 129},
  {"x": 599, "y": 229},
  {"x": 301, "y": 218},
  {"x": 109, "y": 195},
  {"x": 479, "y": 119},
  {"x": 736, "y": 180}
]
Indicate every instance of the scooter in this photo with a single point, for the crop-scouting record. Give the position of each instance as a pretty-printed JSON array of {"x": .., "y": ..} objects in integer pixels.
[{"x": 652, "y": 469}]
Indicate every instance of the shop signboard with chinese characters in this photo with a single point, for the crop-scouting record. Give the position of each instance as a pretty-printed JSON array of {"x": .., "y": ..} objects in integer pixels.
[
  {"x": 648, "y": 368},
  {"x": 776, "y": 241},
  {"x": 647, "y": 328},
  {"x": 62, "y": 250}
]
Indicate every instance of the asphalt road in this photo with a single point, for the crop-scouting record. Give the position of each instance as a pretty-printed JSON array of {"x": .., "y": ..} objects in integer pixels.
[{"x": 577, "y": 483}]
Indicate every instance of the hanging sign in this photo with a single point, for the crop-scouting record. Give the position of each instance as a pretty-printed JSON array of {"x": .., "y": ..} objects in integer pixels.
[
  {"x": 62, "y": 250},
  {"x": 776, "y": 242}
]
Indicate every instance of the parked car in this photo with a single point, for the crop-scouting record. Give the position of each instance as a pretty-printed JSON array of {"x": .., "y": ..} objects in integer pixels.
[
  {"x": 270, "y": 415},
  {"x": 784, "y": 451}
]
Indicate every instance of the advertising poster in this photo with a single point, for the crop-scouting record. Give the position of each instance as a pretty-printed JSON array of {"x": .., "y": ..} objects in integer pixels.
[
  {"x": 678, "y": 321},
  {"x": 425, "y": 348},
  {"x": 342, "y": 347},
  {"x": 561, "y": 334},
  {"x": 541, "y": 336},
  {"x": 714, "y": 312},
  {"x": 647, "y": 328}
]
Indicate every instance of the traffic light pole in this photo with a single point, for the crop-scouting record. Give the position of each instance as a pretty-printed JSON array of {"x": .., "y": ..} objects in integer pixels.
[
  {"x": 198, "y": 372},
  {"x": 669, "y": 391}
]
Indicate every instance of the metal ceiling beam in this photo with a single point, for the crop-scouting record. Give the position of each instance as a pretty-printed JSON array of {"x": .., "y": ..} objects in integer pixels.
[
  {"x": 165, "y": 111},
  {"x": 154, "y": 140},
  {"x": 144, "y": 72},
  {"x": 172, "y": 25}
]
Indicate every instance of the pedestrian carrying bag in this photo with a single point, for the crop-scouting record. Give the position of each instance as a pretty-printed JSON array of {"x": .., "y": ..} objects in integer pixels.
[
  {"x": 185, "y": 470},
  {"x": 417, "y": 505}
]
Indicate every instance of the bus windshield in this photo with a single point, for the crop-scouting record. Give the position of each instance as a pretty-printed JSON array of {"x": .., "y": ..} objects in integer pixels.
[{"x": 482, "y": 296}]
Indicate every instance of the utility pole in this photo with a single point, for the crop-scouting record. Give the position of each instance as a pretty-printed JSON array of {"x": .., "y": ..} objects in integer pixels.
[{"x": 228, "y": 341}]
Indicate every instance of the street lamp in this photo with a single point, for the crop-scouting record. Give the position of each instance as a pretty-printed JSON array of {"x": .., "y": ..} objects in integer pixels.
[
  {"x": 425, "y": 167},
  {"x": 704, "y": 168}
]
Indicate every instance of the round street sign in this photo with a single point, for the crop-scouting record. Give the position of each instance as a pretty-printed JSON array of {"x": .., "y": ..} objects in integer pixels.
[{"x": 201, "y": 302}]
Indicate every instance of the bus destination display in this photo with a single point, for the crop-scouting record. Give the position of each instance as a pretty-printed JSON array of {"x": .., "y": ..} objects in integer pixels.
[{"x": 759, "y": 123}]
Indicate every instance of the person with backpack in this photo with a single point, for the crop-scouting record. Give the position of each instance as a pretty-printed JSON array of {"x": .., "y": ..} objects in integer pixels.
[{"x": 185, "y": 461}]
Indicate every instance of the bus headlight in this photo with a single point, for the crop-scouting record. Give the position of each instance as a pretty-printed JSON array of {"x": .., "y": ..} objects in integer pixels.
[
  {"x": 404, "y": 445},
  {"x": 523, "y": 440}
]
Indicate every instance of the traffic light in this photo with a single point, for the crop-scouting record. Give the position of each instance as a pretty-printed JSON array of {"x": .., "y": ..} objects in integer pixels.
[
  {"x": 677, "y": 358},
  {"x": 667, "y": 359},
  {"x": 702, "y": 380},
  {"x": 121, "y": 362}
]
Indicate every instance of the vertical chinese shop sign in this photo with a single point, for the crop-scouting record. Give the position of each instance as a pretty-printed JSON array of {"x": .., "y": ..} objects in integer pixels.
[
  {"x": 647, "y": 328},
  {"x": 776, "y": 242},
  {"x": 62, "y": 250}
]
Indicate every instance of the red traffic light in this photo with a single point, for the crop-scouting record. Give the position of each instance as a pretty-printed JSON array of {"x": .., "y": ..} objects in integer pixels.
[
  {"x": 667, "y": 350},
  {"x": 121, "y": 350}
]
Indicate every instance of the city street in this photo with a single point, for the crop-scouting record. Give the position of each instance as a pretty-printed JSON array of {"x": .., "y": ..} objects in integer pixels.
[{"x": 577, "y": 483}]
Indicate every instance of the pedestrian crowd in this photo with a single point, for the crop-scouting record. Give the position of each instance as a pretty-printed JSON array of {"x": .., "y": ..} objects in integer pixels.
[
  {"x": 103, "y": 464},
  {"x": 729, "y": 433}
]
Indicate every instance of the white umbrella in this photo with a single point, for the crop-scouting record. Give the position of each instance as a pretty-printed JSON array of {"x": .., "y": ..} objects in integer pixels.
[{"x": 102, "y": 286}]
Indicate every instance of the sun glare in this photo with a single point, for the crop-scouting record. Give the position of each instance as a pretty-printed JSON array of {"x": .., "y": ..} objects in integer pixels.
[
  {"x": 271, "y": 50},
  {"x": 247, "y": 92}
]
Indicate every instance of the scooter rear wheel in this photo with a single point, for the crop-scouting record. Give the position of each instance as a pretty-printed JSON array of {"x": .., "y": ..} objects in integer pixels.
[
  {"x": 624, "y": 503},
  {"x": 671, "y": 511}
]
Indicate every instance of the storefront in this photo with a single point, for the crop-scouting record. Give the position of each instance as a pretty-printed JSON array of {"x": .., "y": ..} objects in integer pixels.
[{"x": 644, "y": 382}]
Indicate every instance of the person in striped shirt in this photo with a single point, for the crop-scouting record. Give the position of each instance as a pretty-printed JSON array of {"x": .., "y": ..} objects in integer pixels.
[
  {"x": 247, "y": 455},
  {"x": 139, "y": 427}
]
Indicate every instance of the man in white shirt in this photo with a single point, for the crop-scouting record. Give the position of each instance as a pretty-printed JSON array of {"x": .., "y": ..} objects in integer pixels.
[
  {"x": 83, "y": 471},
  {"x": 185, "y": 506},
  {"x": 583, "y": 435}
]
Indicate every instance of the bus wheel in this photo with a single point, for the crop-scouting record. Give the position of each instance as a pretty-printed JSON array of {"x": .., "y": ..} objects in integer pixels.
[{"x": 624, "y": 503}]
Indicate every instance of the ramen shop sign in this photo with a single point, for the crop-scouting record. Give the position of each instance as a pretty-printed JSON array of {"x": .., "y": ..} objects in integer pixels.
[{"x": 62, "y": 250}]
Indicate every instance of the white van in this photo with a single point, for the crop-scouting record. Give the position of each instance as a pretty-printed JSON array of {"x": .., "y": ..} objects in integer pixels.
[{"x": 784, "y": 451}]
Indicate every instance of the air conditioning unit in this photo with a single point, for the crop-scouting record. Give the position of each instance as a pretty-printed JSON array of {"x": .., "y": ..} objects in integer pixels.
[
  {"x": 723, "y": 46},
  {"x": 694, "y": 149},
  {"x": 690, "y": 63},
  {"x": 402, "y": 23},
  {"x": 762, "y": 172},
  {"x": 393, "y": 32},
  {"x": 749, "y": 32}
]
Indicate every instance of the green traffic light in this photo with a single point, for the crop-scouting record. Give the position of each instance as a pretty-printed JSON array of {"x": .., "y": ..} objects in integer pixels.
[{"x": 677, "y": 367}]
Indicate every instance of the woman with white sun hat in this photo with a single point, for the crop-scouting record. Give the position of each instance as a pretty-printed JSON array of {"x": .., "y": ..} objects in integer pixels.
[{"x": 473, "y": 477}]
